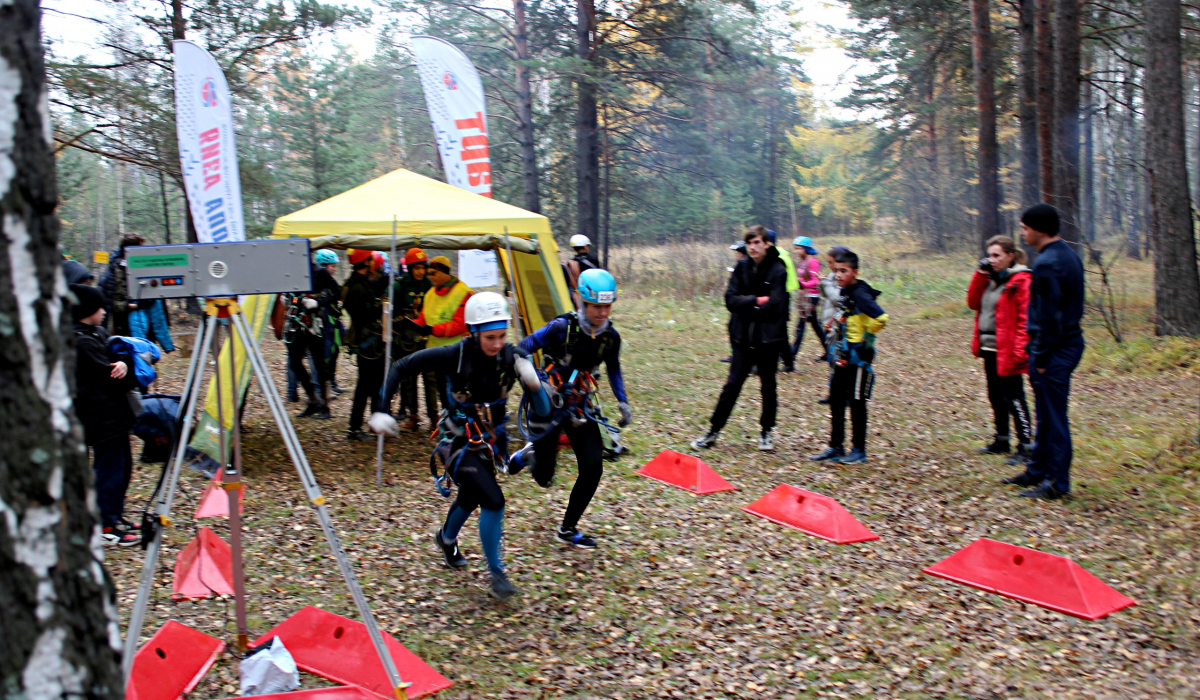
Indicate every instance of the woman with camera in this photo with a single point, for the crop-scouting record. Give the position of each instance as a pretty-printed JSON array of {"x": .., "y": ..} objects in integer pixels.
[{"x": 999, "y": 296}]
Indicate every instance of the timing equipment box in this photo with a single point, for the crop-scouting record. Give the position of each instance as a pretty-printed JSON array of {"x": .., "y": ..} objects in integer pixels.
[{"x": 218, "y": 269}]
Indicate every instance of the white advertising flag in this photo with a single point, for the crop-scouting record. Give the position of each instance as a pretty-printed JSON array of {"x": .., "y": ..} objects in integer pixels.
[
  {"x": 454, "y": 95},
  {"x": 207, "y": 153}
]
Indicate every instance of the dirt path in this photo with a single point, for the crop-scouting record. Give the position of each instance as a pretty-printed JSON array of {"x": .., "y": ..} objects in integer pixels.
[{"x": 691, "y": 597}]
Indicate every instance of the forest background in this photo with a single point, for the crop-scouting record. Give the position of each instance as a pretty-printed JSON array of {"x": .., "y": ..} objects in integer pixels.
[{"x": 642, "y": 123}]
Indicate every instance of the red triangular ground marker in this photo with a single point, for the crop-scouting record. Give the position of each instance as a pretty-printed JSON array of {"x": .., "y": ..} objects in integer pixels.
[
  {"x": 203, "y": 569},
  {"x": 214, "y": 502},
  {"x": 340, "y": 692},
  {"x": 1031, "y": 576},
  {"x": 819, "y": 516},
  {"x": 172, "y": 663},
  {"x": 685, "y": 471},
  {"x": 337, "y": 648}
]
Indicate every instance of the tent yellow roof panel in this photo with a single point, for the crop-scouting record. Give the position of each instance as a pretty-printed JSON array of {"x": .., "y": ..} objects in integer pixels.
[{"x": 421, "y": 206}]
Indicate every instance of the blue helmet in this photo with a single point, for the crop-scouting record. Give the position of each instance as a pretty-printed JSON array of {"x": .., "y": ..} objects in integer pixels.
[
  {"x": 597, "y": 286},
  {"x": 325, "y": 257}
]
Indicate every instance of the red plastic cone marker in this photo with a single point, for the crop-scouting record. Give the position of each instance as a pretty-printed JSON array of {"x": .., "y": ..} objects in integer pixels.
[
  {"x": 203, "y": 569},
  {"x": 214, "y": 502},
  {"x": 685, "y": 471},
  {"x": 172, "y": 663},
  {"x": 333, "y": 647},
  {"x": 1031, "y": 576},
  {"x": 341, "y": 692},
  {"x": 819, "y": 516}
]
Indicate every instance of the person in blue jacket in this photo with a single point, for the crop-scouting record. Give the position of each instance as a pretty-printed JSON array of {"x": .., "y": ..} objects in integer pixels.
[
  {"x": 477, "y": 373},
  {"x": 1056, "y": 297},
  {"x": 574, "y": 345}
]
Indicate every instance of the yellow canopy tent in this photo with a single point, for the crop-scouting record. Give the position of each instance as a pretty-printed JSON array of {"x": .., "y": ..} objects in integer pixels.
[{"x": 431, "y": 214}]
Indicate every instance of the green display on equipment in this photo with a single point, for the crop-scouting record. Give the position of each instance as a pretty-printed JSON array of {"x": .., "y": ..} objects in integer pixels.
[{"x": 159, "y": 260}]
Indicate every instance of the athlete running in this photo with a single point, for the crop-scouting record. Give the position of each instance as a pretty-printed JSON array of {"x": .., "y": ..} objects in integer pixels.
[
  {"x": 477, "y": 374},
  {"x": 573, "y": 346}
]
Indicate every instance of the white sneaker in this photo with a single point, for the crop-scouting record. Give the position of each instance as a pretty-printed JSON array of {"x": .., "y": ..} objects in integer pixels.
[{"x": 765, "y": 444}]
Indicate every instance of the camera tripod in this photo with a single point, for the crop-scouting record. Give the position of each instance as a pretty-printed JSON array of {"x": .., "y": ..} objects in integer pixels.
[{"x": 224, "y": 312}]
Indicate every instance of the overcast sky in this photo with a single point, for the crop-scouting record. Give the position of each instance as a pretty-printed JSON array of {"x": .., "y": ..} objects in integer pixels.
[{"x": 69, "y": 24}]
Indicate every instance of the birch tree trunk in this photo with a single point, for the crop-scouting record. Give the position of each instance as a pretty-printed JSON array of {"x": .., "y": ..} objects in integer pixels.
[
  {"x": 1176, "y": 281},
  {"x": 60, "y": 634}
]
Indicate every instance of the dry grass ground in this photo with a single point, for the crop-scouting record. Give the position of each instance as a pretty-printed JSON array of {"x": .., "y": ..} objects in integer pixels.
[{"x": 690, "y": 597}]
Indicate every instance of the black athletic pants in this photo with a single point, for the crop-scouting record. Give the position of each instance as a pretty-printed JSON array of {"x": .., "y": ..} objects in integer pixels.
[
  {"x": 1007, "y": 396},
  {"x": 745, "y": 357},
  {"x": 303, "y": 344},
  {"x": 588, "y": 446},
  {"x": 366, "y": 391},
  {"x": 847, "y": 388}
]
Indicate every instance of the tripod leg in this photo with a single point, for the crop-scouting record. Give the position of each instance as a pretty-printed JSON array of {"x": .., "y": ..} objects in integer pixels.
[
  {"x": 166, "y": 494},
  {"x": 232, "y": 483},
  {"x": 313, "y": 491}
]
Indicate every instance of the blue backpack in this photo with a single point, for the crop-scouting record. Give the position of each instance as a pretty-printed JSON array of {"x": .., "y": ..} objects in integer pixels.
[
  {"x": 156, "y": 426},
  {"x": 139, "y": 355}
]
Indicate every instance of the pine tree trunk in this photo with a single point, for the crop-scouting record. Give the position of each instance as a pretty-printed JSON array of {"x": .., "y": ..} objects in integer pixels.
[
  {"x": 525, "y": 130},
  {"x": 1027, "y": 96},
  {"x": 60, "y": 635},
  {"x": 1087, "y": 214},
  {"x": 1066, "y": 109},
  {"x": 587, "y": 141},
  {"x": 934, "y": 201},
  {"x": 985, "y": 103},
  {"x": 1176, "y": 281},
  {"x": 1045, "y": 98}
]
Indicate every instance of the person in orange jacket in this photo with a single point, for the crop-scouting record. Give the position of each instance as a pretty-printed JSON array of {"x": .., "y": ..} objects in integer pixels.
[
  {"x": 442, "y": 314},
  {"x": 999, "y": 296}
]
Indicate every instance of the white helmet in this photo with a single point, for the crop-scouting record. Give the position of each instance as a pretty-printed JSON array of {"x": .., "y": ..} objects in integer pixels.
[
  {"x": 487, "y": 311},
  {"x": 579, "y": 240}
]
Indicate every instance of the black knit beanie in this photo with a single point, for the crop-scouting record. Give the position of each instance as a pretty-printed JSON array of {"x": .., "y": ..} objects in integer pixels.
[
  {"x": 1042, "y": 218},
  {"x": 90, "y": 301}
]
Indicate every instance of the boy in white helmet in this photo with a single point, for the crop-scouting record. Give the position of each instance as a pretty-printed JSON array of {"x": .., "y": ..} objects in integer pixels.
[{"x": 477, "y": 374}]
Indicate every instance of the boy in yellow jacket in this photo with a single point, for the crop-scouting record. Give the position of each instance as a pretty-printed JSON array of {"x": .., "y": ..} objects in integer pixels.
[{"x": 851, "y": 344}]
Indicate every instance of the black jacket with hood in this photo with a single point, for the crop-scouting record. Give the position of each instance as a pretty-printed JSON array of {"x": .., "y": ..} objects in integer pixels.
[{"x": 751, "y": 324}]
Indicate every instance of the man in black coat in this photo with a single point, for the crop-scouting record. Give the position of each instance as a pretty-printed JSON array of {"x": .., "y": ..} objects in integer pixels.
[
  {"x": 102, "y": 386},
  {"x": 1056, "y": 297},
  {"x": 758, "y": 330}
]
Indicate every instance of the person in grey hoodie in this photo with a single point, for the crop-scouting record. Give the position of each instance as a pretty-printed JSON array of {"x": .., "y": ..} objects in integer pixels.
[{"x": 999, "y": 296}]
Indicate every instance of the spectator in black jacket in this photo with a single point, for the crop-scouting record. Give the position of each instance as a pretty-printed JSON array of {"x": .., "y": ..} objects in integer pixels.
[
  {"x": 102, "y": 386},
  {"x": 362, "y": 298},
  {"x": 758, "y": 330},
  {"x": 113, "y": 286},
  {"x": 1055, "y": 348}
]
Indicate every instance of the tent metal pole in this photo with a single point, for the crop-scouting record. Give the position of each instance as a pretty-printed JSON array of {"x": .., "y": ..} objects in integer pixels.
[
  {"x": 512, "y": 267},
  {"x": 387, "y": 349}
]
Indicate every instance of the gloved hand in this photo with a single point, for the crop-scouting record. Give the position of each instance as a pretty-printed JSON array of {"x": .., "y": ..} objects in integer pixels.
[
  {"x": 383, "y": 424},
  {"x": 310, "y": 303},
  {"x": 439, "y": 483},
  {"x": 527, "y": 373},
  {"x": 626, "y": 415},
  {"x": 985, "y": 265}
]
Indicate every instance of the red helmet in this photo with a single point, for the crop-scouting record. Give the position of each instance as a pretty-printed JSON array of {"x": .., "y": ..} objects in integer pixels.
[
  {"x": 414, "y": 256},
  {"x": 357, "y": 256}
]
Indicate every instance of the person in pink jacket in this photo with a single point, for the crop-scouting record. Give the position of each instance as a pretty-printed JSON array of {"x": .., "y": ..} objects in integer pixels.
[
  {"x": 808, "y": 270},
  {"x": 999, "y": 296}
]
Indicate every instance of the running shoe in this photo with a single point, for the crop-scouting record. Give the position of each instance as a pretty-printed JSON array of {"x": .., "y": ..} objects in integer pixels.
[
  {"x": 454, "y": 558},
  {"x": 575, "y": 538}
]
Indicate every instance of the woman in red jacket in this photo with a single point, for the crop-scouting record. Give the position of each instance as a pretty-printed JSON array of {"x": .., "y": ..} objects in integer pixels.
[{"x": 999, "y": 296}]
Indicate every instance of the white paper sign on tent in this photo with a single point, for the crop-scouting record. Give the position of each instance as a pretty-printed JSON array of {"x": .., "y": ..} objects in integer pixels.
[{"x": 477, "y": 268}]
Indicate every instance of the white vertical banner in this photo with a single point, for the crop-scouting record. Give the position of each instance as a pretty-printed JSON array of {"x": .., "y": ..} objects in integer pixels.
[
  {"x": 454, "y": 95},
  {"x": 478, "y": 268},
  {"x": 207, "y": 152}
]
